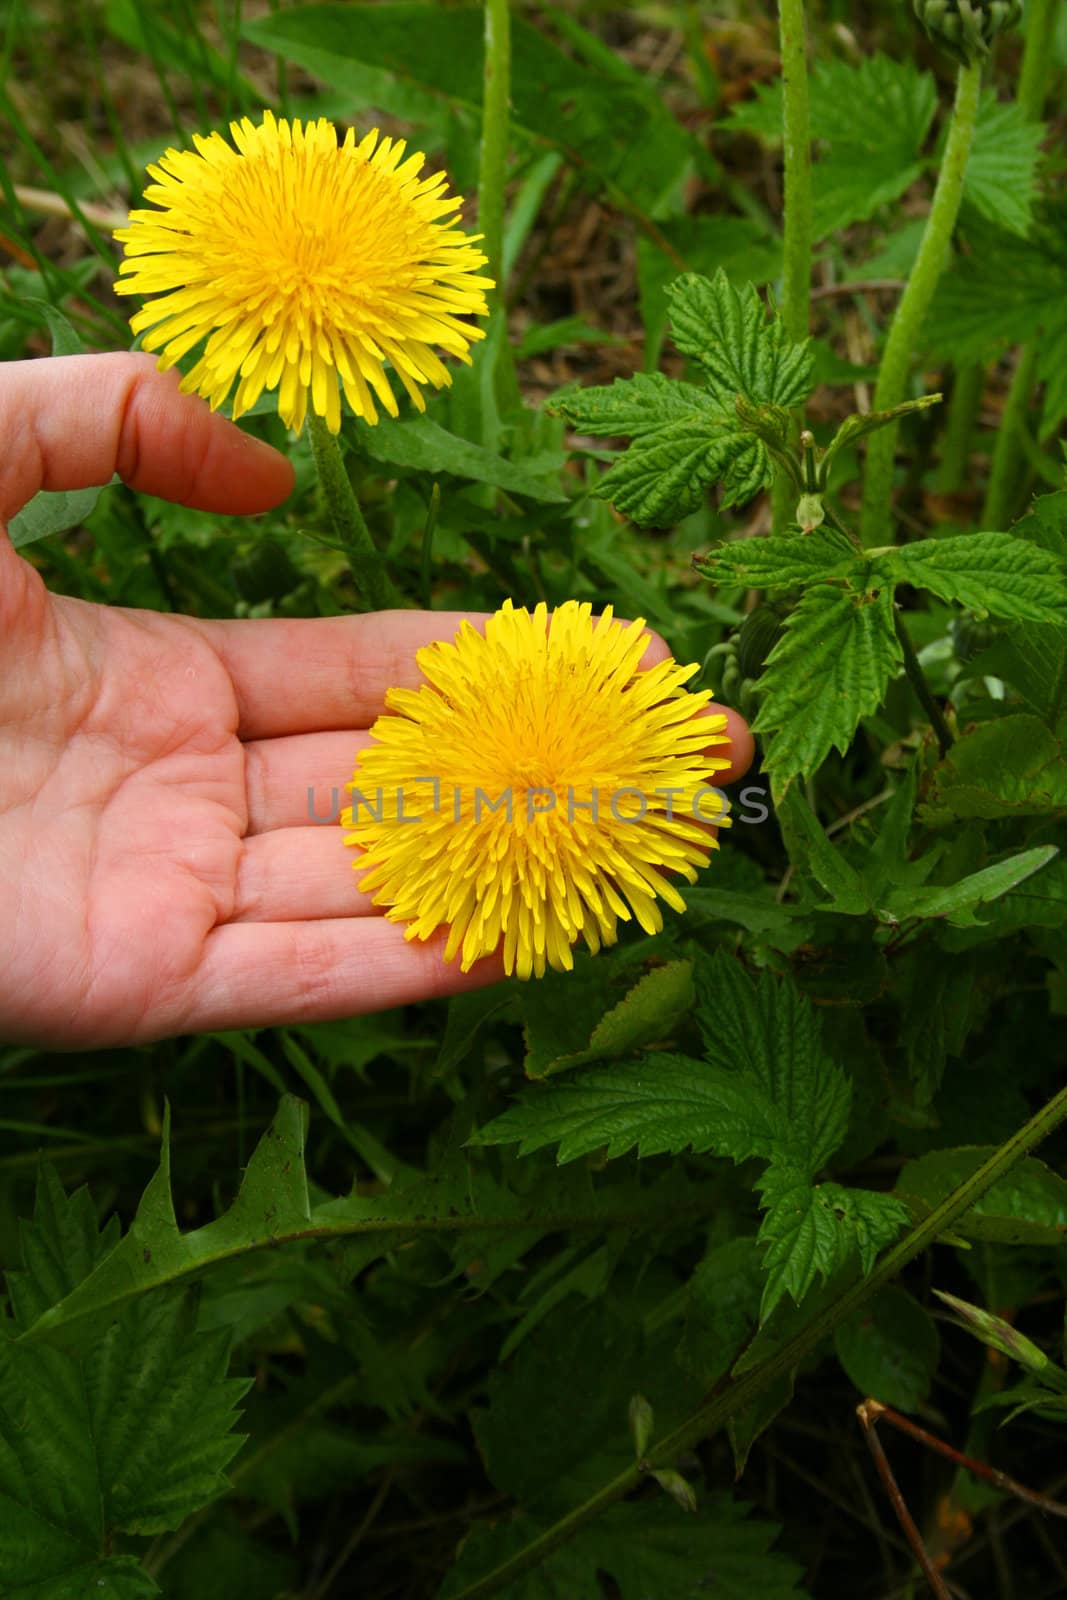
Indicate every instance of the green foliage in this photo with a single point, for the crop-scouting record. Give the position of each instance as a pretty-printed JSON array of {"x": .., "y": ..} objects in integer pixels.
[
  {"x": 685, "y": 439},
  {"x": 765, "y": 1089},
  {"x": 459, "y": 1324}
]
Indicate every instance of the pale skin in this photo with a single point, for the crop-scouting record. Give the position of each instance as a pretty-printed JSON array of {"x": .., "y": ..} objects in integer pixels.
[{"x": 159, "y": 874}]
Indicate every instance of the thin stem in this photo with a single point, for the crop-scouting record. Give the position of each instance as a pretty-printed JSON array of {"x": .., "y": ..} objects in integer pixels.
[
  {"x": 1004, "y": 473},
  {"x": 915, "y": 302},
  {"x": 717, "y": 1411},
  {"x": 796, "y": 246},
  {"x": 364, "y": 558},
  {"x": 917, "y": 679},
  {"x": 868, "y": 1413},
  {"x": 959, "y": 431}
]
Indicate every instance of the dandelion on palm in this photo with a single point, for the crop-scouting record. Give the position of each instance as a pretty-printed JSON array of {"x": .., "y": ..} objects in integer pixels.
[
  {"x": 533, "y": 707},
  {"x": 307, "y": 266}
]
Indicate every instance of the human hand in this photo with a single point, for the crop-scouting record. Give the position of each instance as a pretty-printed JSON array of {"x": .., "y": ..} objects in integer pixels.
[{"x": 159, "y": 873}]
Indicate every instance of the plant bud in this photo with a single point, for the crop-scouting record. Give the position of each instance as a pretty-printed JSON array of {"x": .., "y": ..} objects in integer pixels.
[
  {"x": 759, "y": 634},
  {"x": 965, "y": 29}
]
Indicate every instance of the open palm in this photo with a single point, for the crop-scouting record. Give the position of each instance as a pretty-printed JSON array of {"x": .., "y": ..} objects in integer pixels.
[{"x": 159, "y": 869}]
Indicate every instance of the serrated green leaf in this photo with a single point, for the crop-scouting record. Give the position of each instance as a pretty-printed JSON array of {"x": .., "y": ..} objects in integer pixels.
[
  {"x": 829, "y": 669},
  {"x": 651, "y": 1551},
  {"x": 114, "y": 1578},
  {"x": 1004, "y": 290},
  {"x": 132, "y": 1434},
  {"x": 993, "y": 572},
  {"x": 810, "y": 1233},
  {"x": 1029, "y": 1206},
  {"x": 683, "y": 445},
  {"x": 1001, "y": 176},
  {"x": 890, "y": 1349},
  {"x": 58, "y": 1249},
  {"x": 874, "y": 116},
  {"x": 161, "y": 1411},
  {"x": 740, "y": 351},
  {"x": 780, "y": 563},
  {"x": 1012, "y": 767}
]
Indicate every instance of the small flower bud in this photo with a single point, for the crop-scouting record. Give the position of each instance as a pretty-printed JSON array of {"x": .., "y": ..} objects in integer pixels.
[{"x": 965, "y": 29}]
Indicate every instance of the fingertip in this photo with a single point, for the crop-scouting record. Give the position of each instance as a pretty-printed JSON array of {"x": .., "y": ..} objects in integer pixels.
[{"x": 742, "y": 744}]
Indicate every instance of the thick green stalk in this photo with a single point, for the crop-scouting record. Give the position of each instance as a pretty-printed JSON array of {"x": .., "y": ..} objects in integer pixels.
[
  {"x": 492, "y": 171},
  {"x": 720, "y": 1408},
  {"x": 1030, "y": 98},
  {"x": 914, "y": 304},
  {"x": 364, "y": 557},
  {"x": 796, "y": 244}
]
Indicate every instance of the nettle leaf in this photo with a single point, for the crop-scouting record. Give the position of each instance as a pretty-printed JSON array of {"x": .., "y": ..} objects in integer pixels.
[
  {"x": 1004, "y": 290},
  {"x": 650, "y": 1549},
  {"x": 767, "y": 1089},
  {"x": 829, "y": 669},
  {"x": 114, "y": 1578},
  {"x": 780, "y": 563},
  {"x": 874, "y": 117},
  {"x": 128, "y": 1431},
  {"x": 1001, "y": 176},
  {"x": 683, "y": 444},
  {"x": 992, "y": 572},
  {"x": 740, "y": 350},
  {"x": 812, "y": 1232},
  {"x": 686, "y": 439}
]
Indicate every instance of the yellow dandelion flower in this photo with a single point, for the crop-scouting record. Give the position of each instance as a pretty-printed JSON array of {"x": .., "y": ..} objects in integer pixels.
[
  {"x": 306, "y": 265},
  {"x": 537, "y": 789}
]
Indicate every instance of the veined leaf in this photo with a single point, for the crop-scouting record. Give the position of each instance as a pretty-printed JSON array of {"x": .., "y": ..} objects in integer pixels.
[
  {"x": 811, "y": 1232},
  {"x": 683, "y": 445},
  {"x": 1029, "y": 1206},
  {"x": 1001, "y": 176},
  {"x": 777, "y": 563},
  {"x": 829, "y": 669},
  {"x": 740, "y": 350},
  {"x": 874, "y": 117},
  {"x": 959, "y": 901},
  {"x": 992, "y": 572},
  {"x": 650, "y": 1550},
  {"x": 1011, "y": 767},
  {"x": 861, "y": 423}
]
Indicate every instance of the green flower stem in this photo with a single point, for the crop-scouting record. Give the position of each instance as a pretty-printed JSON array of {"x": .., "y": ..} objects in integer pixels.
[
  {"x": 796, "y": 245},
  {"x": 364, "y": 557},
  {"x": 492, "y": 180},
  {"x": 1004, "y": 472},
  {"x": 1030, "y": 98},
  {"x": 914, "y": 304},
  {"x": 959, "y": 430},
  {"x": 492, "y": 171},
  {"x": 917, "y": 679},
  {"x": 721, "y": 1407}
]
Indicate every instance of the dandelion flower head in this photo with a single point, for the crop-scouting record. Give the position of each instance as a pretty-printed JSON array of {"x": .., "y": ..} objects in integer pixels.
[
  {"x": 537, "y": 789},
  {"x": 306, "y": 265}
]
